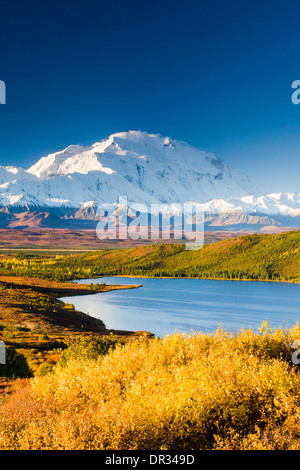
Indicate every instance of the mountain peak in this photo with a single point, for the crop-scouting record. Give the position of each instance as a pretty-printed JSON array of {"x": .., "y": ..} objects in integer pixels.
[
  {"x": 134, "y": 135},
  {"x": 146, "y": 168}
]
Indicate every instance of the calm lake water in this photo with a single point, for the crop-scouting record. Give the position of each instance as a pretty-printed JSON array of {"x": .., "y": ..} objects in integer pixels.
[{"x": 165, "y": 306}]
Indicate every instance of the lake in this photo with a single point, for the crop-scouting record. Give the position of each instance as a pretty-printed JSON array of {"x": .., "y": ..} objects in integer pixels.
[{"x": 165, "y": 306}]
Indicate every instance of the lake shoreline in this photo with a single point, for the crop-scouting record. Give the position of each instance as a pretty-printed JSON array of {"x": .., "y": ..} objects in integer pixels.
[
  {"x": 168, "y": 304},
  {"x": 133, "y": 276},
  {"x": 34, "y": 303}
]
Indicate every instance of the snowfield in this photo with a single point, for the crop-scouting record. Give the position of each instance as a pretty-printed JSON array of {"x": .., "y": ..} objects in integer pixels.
[{"x": 147, "y": 169}]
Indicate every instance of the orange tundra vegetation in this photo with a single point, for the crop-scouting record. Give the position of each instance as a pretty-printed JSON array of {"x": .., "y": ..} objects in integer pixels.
[{"x": 220, "y": 390}]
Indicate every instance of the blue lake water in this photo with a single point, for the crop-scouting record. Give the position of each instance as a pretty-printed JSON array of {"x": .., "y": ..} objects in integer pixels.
[{"x": 165, "y": 306}]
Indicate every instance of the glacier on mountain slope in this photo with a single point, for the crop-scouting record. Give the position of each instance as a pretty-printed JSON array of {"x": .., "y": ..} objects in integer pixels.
[
  {"x": 147, "y": 169},
  {"x": 164, "y": 170}
]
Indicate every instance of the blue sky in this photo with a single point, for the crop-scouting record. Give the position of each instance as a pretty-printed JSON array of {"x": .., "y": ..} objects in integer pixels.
[{"x": 214, "y": 73}]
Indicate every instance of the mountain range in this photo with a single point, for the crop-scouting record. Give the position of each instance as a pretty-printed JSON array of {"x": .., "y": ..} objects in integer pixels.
[{"x": 66, "y": 188}]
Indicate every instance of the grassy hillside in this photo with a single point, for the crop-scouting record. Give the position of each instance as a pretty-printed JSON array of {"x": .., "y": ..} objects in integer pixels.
[
  {"x": 250, "y": 257},
  {"x": 259, "y": 257}
]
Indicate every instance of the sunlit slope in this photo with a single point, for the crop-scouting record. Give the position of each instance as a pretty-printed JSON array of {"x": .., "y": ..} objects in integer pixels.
[
  {"x": 264, "y": 257},
  {"x": 261, "y": 257}
]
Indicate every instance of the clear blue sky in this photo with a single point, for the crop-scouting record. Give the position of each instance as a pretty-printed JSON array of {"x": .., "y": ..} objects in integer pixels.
[{"x": 214, "y": 73}]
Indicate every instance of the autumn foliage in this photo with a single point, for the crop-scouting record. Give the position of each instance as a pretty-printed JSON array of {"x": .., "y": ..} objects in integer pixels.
[{"x": 197, "y": 391}]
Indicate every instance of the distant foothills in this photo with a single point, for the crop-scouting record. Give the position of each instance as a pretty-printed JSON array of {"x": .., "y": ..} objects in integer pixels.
[{"x": 64, "y": 190}]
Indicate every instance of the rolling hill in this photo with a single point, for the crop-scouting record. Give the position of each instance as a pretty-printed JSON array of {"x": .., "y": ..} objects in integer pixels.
[{"x": 254, "y": 257}]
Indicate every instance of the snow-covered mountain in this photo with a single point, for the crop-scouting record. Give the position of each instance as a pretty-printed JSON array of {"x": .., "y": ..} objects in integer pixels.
[{"x": 146, "y": 168}]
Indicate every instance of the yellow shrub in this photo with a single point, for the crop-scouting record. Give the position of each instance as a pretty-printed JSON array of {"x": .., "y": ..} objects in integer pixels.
[{"x": 199, "y": 391}]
